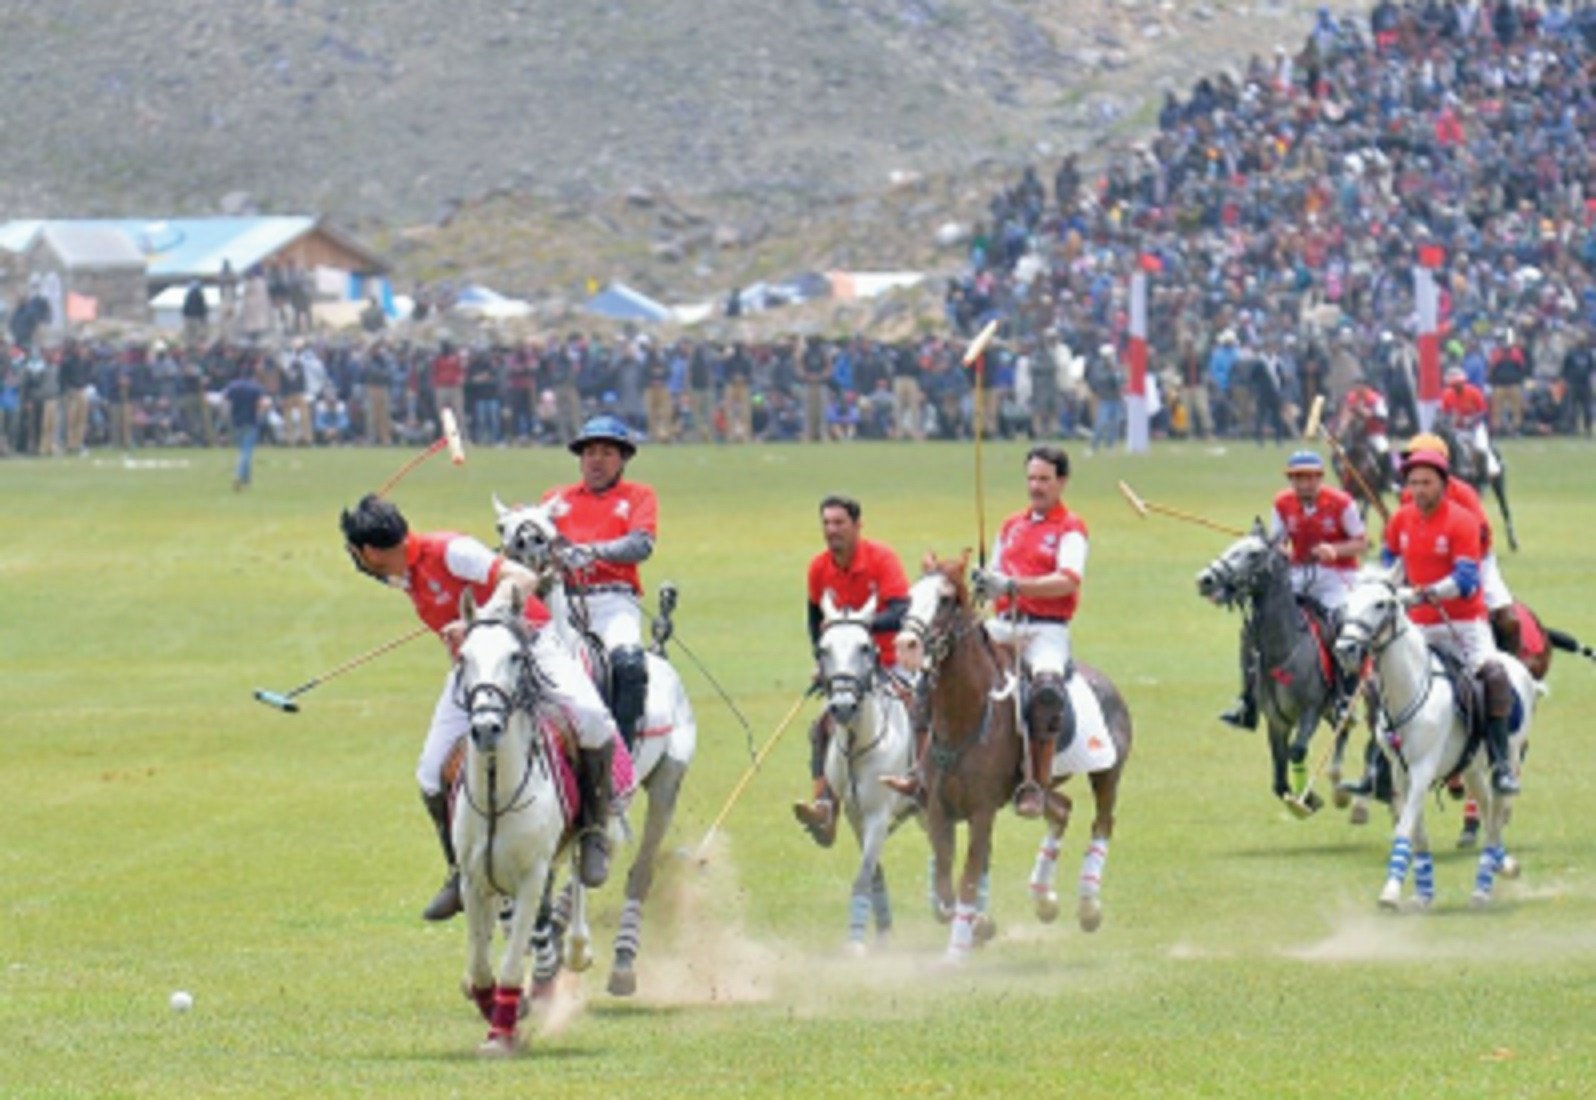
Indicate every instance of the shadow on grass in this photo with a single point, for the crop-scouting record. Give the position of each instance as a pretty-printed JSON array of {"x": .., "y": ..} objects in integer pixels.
[
  {"x": 1350, "y": 847},
  {"x": 466, "y": 1054},
  {"x": 617, "y": 1010}
]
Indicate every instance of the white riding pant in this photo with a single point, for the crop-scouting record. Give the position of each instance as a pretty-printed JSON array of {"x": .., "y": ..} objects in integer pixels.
[
  {"x": 616, "y": 617},
  {"x": 1043, "y": 646},
  {"x": 1468, "y": 640},
  {"x": 1326, "y": 585},
  {"x": 569, "y": 697},
  {"x": 1482, "y": 441},
  {"x": 1492, "y": 586}
]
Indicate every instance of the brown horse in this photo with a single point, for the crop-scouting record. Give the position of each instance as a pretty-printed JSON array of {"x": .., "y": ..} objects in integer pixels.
[
  {"x": 1363, "y": 470},
  {"x": 973, "y": 753}
]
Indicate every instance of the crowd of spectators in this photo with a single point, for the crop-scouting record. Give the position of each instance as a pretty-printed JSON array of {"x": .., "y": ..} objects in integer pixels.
[{"x": 1278, "y": 210}]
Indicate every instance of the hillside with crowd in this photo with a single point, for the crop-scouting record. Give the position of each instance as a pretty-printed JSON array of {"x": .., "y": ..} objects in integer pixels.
[{"x": 1278, "y": 210}]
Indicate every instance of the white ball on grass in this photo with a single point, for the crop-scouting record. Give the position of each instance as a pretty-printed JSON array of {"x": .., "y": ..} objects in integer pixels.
[{"x": 181, "y": 1001}]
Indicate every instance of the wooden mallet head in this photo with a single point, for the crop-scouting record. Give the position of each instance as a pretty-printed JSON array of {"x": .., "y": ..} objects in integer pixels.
[
  {"x": 978, "y": 346},
  {"x": 451, "y": 436},
  {"x": 1315, "y": 417},
  {"x": 1137, "y": 503}
]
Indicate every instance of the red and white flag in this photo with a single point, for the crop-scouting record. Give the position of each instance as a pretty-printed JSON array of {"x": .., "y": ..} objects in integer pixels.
[
  {"x": 1137, "y": 411},
  {"x": 1426, "y": 299}
]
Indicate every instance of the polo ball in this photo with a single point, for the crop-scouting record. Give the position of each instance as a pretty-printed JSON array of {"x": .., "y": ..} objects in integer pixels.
[{"x": 181, "y": 1001}]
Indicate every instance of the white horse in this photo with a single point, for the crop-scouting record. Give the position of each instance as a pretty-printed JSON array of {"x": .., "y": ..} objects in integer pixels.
[
  {"x": 870, "y": 740},
  {"x": 667, "y": 741},
  {"x": 509, "y": 824},
  {"x": 1424, "y": 737}
]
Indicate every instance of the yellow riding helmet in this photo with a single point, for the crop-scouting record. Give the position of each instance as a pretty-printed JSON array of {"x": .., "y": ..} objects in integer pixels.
[{"x": 1426, "y": 441}]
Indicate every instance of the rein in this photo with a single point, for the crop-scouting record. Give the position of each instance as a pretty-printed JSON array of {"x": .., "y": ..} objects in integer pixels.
[{"x": 941, "y": 751}]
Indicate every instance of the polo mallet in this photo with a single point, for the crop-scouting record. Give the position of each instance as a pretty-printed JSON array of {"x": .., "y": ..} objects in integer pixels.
[
  {"x": 701, "y": 852},
  {"x": 450, "y": 439},
  {"x": 1142, "y": 507},
  {"x": 665, "y": 630},
  {"x": 284, "y": 700},
  {"x": 975, "y": 355},
  {"x": 1299, "y": 803},
  {"x": 1314, "y": 427}
]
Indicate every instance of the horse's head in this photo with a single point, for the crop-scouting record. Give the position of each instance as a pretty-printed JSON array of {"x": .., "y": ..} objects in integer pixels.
[
  {"x": 935, "y": 602},
  {"x": 494, "y": 669},
  {"x": 1239, "y": 571},
  {"x": 1370, "y": 618},
  {"x": 527, "y": 534},
  {"x": 846, "y": 656}
]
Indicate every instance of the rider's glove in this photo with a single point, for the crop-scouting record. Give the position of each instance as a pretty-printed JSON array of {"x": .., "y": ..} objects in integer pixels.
[
  {"x": 577, "y": 557},
  {"x": 989, "y": 584}
]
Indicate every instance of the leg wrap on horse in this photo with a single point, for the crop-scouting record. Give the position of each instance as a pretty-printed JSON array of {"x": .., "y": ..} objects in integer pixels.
[
  {"x": 629, "y": 690},
  {"x": 593, "y": 778}
]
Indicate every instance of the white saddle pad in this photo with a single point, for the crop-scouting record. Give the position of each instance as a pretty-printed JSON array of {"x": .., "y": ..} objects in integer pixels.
[{"x": 1092, "y": 749}]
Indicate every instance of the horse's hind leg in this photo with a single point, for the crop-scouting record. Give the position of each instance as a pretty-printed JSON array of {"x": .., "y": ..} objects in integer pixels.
[
  {"x": 1043, "y": 873},
  {"x": 1105, "y": 793},
  {"x": 872, "y": 835},
  {"x": 545, "y": 946},
  {"x": 881, "y": 904},
  {"x": 663, "y": 788}
]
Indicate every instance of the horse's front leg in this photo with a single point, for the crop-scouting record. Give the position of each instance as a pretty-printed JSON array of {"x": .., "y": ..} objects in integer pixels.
[
  {"x": 1400, "y": 860},
  {"x": 939, "y": 827},
  {"x": 970, "y": 924},
  {"x": 1305, "y": 801},
  {"x": 512, "y": 967},
  {"x": 477, "y": 983},
  {"x": 664, "y": 785},
  {"x": 1493, "y": 859},
  {"x": 872, "y": 838},
  {"x": 1278, "y": 758}
]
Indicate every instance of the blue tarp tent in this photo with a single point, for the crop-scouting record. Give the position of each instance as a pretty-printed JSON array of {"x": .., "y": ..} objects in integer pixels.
[{"x": 625, "y": 304}]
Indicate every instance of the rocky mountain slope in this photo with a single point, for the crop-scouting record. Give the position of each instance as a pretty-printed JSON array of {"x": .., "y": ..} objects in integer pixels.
[{"x": 684, "y": 145}]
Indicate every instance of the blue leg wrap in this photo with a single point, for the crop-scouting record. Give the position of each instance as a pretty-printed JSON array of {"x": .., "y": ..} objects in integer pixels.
[
  {"x": 1401, "y": 856},
  {"x": 1424, "y": 876}
]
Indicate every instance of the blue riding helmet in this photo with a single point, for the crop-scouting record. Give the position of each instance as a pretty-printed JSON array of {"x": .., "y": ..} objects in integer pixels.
[
  {"x": 1304, "y": 462},
  {"x": 609, "y": 429}
]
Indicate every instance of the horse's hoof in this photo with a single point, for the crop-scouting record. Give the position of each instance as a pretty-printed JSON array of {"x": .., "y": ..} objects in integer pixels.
[
  {"x": 954, "y": 958},
  {"x": 1391, "y": 896},
  {"x": 1479, "y": 899},
  {"x": 1090, "y": 914},
  {"x": 857, "y": 949},
  {"x": 623, "y": 983},
  {"x": 983, "y": 928},
  {"x": 1420, "y": 903},
  {"x": 579, "y": 954},
  {"x": 497, "y": 1046},
  {"x": 1508, "y": 867},
  {"x": 1359, "y": 814},
  {"x": 1468, "y": 838},
  {"x": 943, "y": 913},
  {"x": 1343, "y": 799},
  {"x": 1046, "y": 902}
]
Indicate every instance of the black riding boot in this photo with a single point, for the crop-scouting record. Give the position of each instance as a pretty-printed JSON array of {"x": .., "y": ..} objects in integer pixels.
[
  {"x": 1243, "y": 714},
  {"x": 446, "y": 903},
  {"x": 818, "y": 816},
  {"x": 596, "y": 790},
  {"x": 1503, "y": 781}
]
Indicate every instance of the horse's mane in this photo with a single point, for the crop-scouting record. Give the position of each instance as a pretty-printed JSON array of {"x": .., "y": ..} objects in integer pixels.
[{"x": 953, "y": 569}]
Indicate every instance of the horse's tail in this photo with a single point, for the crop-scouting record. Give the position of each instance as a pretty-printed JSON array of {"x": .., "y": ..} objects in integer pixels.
[{"x": 1569, "y": 644}]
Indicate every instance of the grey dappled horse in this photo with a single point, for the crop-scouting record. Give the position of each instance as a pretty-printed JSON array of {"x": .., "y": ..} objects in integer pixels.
[
  {"x": 1473, "y": 465},
  {"x": 1290, "y": 681}
]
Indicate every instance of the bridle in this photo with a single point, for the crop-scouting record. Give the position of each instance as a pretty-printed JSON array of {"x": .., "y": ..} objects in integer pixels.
[
  {"x": 937, "y": 642},
  {"x": 489, "y": 705},
  {"x": 851, "y": 683},
  {"x": 1370, "y": 640}
]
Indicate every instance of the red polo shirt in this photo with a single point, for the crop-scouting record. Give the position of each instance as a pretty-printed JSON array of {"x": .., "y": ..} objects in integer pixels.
[
  {"x": 874, "y": 571},
  {"x": 588, "y": 517}
]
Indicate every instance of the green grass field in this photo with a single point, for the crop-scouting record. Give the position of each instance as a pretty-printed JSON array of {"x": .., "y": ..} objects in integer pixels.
[{"x": 163, "y": 831}]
